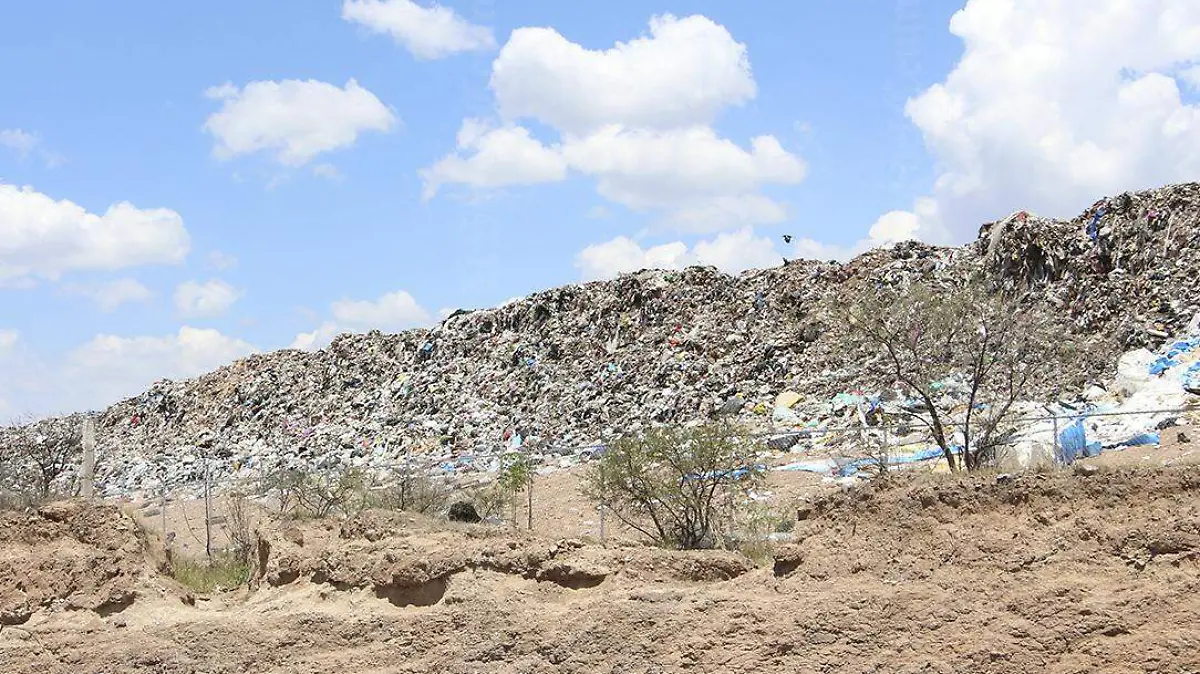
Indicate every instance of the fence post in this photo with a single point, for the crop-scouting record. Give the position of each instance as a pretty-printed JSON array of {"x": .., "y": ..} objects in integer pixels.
[
  {"x": 1057, "y": 451},
  {"x": 529, "y": 506},
  {"x": 886, "y": 452},
  {"x": 207, "y": 510},
  {"x": 602, "y": 539},
  {"x": 88, "y": 474}
]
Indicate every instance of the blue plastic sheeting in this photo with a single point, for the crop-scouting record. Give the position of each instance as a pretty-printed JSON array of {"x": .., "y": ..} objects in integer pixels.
[
  {"x": 1141, "y": 439},
  {"x": 917, "y": 457},
  {"x": 1161, "y": 365},
  {"x": 1072, "y": 442},
  {"x": 1191, "y": 378},
  {"x": 737, "y": 473},
  {"x": 827, "y": 466},
  {"x": 1170, "y": 357},
  {"x": 809, "y": 466}
]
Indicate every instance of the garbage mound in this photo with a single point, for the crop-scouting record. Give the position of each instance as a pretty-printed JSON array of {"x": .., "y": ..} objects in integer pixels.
[
  {"x": 560, "y": 372},
  {"x": 69, "y": 556}
]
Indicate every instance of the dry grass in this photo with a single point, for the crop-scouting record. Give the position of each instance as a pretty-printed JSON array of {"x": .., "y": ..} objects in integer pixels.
[{"x": 206, "y": 576}]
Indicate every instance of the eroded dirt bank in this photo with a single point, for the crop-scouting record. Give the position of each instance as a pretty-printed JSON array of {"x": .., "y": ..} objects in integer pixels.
[{"x": 1053, "y": 573}]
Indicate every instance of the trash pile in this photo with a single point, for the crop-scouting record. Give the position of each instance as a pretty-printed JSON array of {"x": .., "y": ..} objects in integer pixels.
[{"x": 559, "y": 373}]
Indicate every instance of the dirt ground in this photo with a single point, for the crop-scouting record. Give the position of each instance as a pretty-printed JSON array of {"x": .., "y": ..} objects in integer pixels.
[{"x": 1087, "y": 570}]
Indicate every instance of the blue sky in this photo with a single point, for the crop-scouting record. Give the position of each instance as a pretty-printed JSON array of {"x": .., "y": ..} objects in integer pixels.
[{"x": 879, "y": 120}]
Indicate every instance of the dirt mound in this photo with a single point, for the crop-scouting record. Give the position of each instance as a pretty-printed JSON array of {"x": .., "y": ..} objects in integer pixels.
[
  {"x": 1065, "y": 572},
  {"x": 69, "y": 556},
  {"x": 410, "y": 560}
]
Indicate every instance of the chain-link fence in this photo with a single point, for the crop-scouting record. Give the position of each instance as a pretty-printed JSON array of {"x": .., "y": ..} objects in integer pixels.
[{"x": 194, "y": 516}]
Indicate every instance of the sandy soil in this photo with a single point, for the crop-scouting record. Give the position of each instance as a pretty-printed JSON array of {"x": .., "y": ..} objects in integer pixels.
[{"x": 1070, "y": 571}]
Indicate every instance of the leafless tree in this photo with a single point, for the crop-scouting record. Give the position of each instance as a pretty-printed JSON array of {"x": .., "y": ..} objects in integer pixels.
[
  {"x": 967, "y": 355},
  {"x": 37, "y": 459}
]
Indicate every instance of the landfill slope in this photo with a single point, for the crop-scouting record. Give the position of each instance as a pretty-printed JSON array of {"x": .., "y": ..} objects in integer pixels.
[
  {"x": 573, "y": 366},
  {"x": 1088, "y": 571}
]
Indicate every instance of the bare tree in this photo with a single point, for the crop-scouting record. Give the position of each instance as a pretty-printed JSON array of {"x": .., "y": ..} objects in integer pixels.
[
  {"x": 669, "y": 483},
  {"x": 36, "y": 459},
  {"x": 967, "y": 355}
]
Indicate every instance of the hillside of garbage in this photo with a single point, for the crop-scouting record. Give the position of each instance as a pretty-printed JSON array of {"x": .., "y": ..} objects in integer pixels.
[{"x": 560, "y": 372}]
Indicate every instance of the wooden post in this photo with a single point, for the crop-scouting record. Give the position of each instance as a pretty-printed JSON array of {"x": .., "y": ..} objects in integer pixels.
[
  {"x": 529, "y": 506},
  {"x": 207, "y": 510},
  {"x": 1056, "y": 447},
  {"x": 602, "y": 539},
  {"x": 88, "y": 474}
]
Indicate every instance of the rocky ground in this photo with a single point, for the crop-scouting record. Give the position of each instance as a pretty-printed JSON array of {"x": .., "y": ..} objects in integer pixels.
[{"x": 1076, "y": 570}]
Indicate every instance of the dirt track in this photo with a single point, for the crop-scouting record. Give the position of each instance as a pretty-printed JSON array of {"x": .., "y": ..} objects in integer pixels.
[{"x": 1056, "y": 573}]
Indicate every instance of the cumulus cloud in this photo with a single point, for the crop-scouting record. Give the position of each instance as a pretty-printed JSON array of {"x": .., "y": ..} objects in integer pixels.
[
  {"x": 891, "y": 227},
  {"x": 636, "y": 118},
  {"x": 427, "y": 32},
  {"x": 108, "y": 368},
  {"x": 21, "y": 142},
  {"x": 705, "y": 182},
  {"x": 682, "y": 74},
  {"x": 294, "y": 119},
  {"x": 1053, "y": 105},
  {"x": 44, "y": 237},
  {"x": 210, "y": 299},
  {"x": 731, "y": 252},
  {"x": 502, "y": 156},
  {"x": 393, "y": 312},
  {"x": 108, "y": 296}
]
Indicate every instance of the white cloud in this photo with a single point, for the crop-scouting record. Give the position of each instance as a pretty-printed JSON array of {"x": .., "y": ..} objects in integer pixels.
[
  {"x": 502, "y": 156},
  {"x": 891, "y": 227},
  {"x": 328, "y": 171},
  {"x": 684, "y": 73},
  {"x": 636, "y": 118},
  {"x": 393, "y": 312},
  {"x": 1191, "y": 77},
  {"x": 295, "y": 119},
  {"x": 109, "y": 368},
  {"x": 210, "y": 299},
  {"x": 110, "y": 295},
  {"x": 317, "y": 339},
  {"x": 427, "y": 32},
  {"x": 704, "y": 182},
  {"x": 731, "y": 252},
  {"x": 43, "y": 237},
  {"x": 221, "y": 261},
  {"x": 8, "y": 339},
  {"x": 21, "y": 142},
  {"x": 1056, "y": 104}
]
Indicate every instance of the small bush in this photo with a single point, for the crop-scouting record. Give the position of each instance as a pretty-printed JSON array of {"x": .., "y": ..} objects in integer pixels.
[
  {"x": 463, "y": 511},
  {"x": 411, "y": 492},
  {"x": 673, "y": 485},
  {"x": 223, "y": 572}
]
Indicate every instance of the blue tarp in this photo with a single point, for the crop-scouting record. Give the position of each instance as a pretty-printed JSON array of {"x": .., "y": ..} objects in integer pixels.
[
  {"x": 737, "y": 473},
  {"x": 1191, "y": 378},
  {"x": 1072, "y": 442},
  {"x": 1170, "y": 357},
  {"x": 1141, "y": 439}
]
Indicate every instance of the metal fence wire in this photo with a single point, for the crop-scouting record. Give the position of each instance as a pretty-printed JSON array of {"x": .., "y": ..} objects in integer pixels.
[{"x": 191, "y": 514}]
